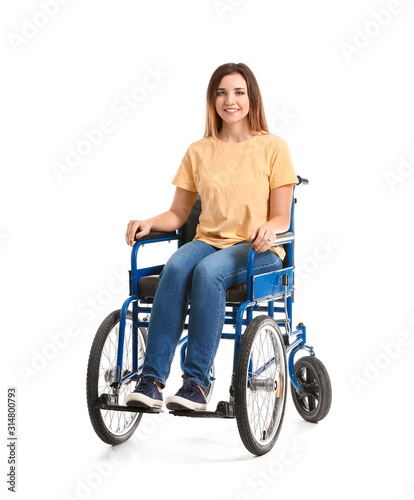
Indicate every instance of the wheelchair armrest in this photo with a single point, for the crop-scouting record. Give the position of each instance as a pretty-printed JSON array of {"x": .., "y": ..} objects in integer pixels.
[
  {"x": 155, "y": 235},
  {"x": 151, "y": 237},
  {"x": 284, "y": 238},
  {"x": 281, "y": 238}
]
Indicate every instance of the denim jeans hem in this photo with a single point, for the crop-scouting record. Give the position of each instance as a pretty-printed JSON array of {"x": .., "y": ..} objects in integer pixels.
[
  {"x": 157, "y": 379},
  {"x": 198, "y": 382}
]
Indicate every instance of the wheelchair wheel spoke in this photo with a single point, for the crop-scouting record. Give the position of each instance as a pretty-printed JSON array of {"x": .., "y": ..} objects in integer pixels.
[
  {"x": 301, "y": 377},
  {"x": 107, "y": 356},
  {"x": 315, "y": 396},
  {"x": 308, "y": 376},
  {"x": 311, "y": 402},
  {"x": 266, "y": 421},
  {"x": 310, "y": 387},
  {"x": 112, "y": 345}
]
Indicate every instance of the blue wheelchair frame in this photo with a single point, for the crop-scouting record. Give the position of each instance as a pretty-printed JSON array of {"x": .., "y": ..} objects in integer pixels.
[{"x": 276, "y": 286}]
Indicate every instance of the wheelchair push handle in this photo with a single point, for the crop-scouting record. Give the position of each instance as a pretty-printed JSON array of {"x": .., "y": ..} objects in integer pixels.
[{"x": 302, "y": 180}]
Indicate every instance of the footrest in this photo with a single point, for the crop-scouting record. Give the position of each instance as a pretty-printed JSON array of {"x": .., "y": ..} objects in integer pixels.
[
  {"x": 224, "y": 409},
  {"x": 103, "y": 403},
  {"x": 136, "y": 409}
]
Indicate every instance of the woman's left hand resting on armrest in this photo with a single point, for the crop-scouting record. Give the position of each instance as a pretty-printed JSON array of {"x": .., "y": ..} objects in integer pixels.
[{"x": 280, "y": 203}]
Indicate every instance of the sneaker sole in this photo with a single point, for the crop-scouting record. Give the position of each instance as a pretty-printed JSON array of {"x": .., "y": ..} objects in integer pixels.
[
  {"x": 140, "y": 400},
  {"x": 178, "y": 403}
]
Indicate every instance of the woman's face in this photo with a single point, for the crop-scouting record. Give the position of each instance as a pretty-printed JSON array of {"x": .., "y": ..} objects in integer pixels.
[{"x": 232, "y": 101}]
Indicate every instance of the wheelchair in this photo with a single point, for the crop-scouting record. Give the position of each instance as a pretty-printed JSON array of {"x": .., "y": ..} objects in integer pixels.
[{"x": 265, "y": 347}]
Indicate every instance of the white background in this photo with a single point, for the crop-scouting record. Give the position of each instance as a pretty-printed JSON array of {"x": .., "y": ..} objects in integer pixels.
[{"x": 348, "y": 122}]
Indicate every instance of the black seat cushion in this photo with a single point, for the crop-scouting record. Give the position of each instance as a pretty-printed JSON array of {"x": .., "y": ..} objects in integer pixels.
[{"x": 147, "y": 287}]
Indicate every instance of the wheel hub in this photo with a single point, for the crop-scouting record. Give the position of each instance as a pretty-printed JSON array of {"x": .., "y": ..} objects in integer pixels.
[
  {"x": 110, "y": 376},
  {"x": 264, "y": 384},
  {"x": 309, "y": 389}
]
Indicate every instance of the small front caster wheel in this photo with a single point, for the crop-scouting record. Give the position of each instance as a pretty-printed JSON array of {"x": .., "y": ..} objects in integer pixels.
[{"x": 314, "y": 402}]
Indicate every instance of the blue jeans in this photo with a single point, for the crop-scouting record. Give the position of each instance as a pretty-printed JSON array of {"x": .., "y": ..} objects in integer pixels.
[{"x": 205, "y": 272}]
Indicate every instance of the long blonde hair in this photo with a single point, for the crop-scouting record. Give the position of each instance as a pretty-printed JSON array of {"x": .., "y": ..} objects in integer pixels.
[{"x": 256, "y": 115}]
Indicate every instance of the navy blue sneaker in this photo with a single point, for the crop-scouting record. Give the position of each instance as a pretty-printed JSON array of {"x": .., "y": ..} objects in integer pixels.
[
  {"x": 146, "y": 394},
  {"x": 189, "y": 397}
]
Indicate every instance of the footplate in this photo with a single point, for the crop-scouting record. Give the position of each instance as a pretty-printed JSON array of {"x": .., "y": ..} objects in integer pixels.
[
  {"x": 224, "y": 409},
  {"x": 103, "y": 404}
]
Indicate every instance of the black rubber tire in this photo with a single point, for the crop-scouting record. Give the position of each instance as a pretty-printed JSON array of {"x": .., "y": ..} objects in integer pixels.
[
  {"x": 315, "y": 402},
  {"x": 92, "y": 377},
  {"x": 241, "y": 387}
]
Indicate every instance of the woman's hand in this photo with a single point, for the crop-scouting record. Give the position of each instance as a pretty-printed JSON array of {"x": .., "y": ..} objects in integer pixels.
[
  {"x": 263, "y": 238},
  {"x": 171, "y": 220},
  {"x": 280, "y": 203},
  {"x": 144, "y": 227}
]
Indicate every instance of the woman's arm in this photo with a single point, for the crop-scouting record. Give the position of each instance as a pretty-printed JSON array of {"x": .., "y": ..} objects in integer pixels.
[
  {"x": 168, "y": 221},
  {"x": 279, "y": 222}
]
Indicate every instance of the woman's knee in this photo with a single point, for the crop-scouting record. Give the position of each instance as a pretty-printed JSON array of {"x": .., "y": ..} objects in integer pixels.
[
  {"x": 182, "y": 262},
  {"x": 205, "y": 273},
  {"x": 175, "y": 268}
]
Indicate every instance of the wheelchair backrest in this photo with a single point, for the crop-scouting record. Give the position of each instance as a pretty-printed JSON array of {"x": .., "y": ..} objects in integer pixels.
[{"x": 188, "y": 230}]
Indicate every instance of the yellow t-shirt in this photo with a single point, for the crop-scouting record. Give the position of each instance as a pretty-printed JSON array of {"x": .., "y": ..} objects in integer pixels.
[{"x": 234, "y": 182}]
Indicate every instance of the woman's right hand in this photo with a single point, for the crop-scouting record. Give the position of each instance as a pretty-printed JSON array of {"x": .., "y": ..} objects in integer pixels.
[
  {"x": 167, "y": 221},
  {"x": 144, "y": 227}
]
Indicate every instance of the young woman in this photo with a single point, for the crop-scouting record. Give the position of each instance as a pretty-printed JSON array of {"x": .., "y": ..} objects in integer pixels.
[{"x": 245, "y": 179}]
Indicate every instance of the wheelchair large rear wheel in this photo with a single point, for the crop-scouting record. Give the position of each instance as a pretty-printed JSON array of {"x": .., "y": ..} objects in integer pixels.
[
  {"x": 260, "y": 385},
  {"x": 314, "y": 402},
  {"x": 112, "y": 426}
]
